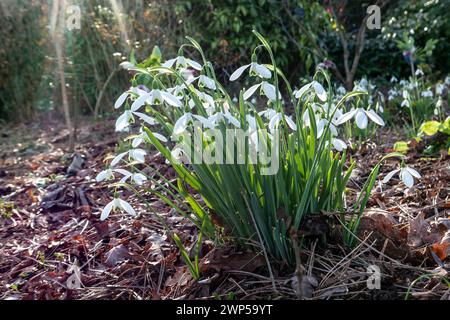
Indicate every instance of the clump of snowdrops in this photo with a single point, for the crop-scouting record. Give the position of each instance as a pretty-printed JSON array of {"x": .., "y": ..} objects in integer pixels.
[
  {"x": 419, "y": 98},
  {"x": 182, "y": 110}
]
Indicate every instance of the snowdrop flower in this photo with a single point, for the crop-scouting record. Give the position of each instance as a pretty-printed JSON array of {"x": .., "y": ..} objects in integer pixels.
[
  {"x": 392, "y": 94},
  {"x": 267, "y": 88},
  {"x": 137, "y": 178},
  {"x": 276, "y": 119},
  {"x": 341, "y": 90},
  {"x": 123, "y": 97},
  {"x": 299, "y": 93},
  {"x": 127, "y": 65},
  {"x": 393, "y": 79},
  {"x": 405, "y": 103},
  {"x": 321, "y": 125},
  {"x": 427, "y": 94},
  {"x": 361, "y": 117},
  {"x": 268, "y": 113},
  {"x": 338, "y": 144},
  {"x": 438, "y": 107},
  {"x": 447, "y": 80},
  {"x": 231, "y": 119},
  {"x": 156, "y": 97},
  {"x": 205, "y": 81},
  {"x": 205, "y": 99},
  {"x": 407, "y": 175},
  {"x": 251, "y": 120},
  {"x": 182, "y": 63},
  {"x": 135, "y": 154},
  {"x": 177, "y": 91},
  {"x": 182, "y": 123},
  {"x": 440, "y": 89},
  {"x": 318, "y": 89},
  {"x": 123, "y": 121},
  {"x": 206, "y": 122},
  {"x": 107, "y": 174},
  {"x": 116, "y": 203},
  {"x": 256, "y": 69},
  {"x": 419, "y": 72}
]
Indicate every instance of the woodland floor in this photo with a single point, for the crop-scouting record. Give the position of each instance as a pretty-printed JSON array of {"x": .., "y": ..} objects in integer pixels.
[{"x": 53, "y": 245}]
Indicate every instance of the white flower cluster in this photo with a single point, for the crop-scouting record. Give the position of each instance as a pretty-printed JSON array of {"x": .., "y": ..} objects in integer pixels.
[{"x": 183, "y": 92}]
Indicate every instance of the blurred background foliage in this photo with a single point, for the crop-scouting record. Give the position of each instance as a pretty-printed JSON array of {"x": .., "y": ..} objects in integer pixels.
[{"x": 302, "y": 34}]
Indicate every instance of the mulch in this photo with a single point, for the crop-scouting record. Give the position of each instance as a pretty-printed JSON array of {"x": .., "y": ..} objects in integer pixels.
[{"x": 53, "y": 245}]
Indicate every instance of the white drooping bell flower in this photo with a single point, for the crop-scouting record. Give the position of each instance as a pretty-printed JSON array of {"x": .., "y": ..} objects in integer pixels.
[
  {"x": 181, "y": 62},
  {"x": 204, "y": 82},
  {"x": 107, "y": 174},
  {"x": 116, "y": 203},
  {"x": 256, "y": 69},
  {"x": 123, "y": 121},
  {"x": 138, "y": 178},
  {"x": 156, "y": 97},
  {"x": 318, "y": 90},
  {"x": 137, "y": 155},
  {"x": 276, "y": 119},
  {"x": 407, "y": 175},
  {"x": 361, "y": 117},
  {"x": 267, "y": 89}
]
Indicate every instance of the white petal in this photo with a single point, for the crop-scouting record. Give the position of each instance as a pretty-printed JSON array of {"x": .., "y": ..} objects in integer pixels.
[
  {"x": 121, "y": 100},
  {"x": 269, "y": 91},
  {"x": 136, "y": 142},
  {"x": 139, "y": 178},
  {"x": 291, "y": 123},
  {"x": 106, "y": 210},
  {"x": 250, "y": 91},
  {"x": 232, "y": 119},
  {"x": 150, "y": 120},
  {"x": 127, "y": 65},
  {"x": 139, "y": 102},
  {"x": 181, "y": 123},
  {"x": 302, "y": 90},
  {"x": 169, "y": 63},
  {"x": 138, "y": 155},
  {"x": 413, "y": 172},
  {"x": 268, "y": 113},
  {"x": 361, "y": 119},
  {"x": 236, "y": 74},
  {"x": 320, "y": 91},
  {"x": 123, "y": 121},
  {"x": 346, "y": 116},
  {"x": 374, "y": 117},
  {"x": 127, "y": 207},
  {"x": 261, "y": 70},
  {"x": 390, "y": 175},
  {"x": 407, "y": 178},
  {"x": 274, "y": 121},
  {"x": 251, "y": 120},
  {"x": 339, "y": 145},
  {"x": 117, "y": 159},
  {"x": 124, "y": 179},
  {"x": 320, "y": 127},
  {"x": 207, "y": 82},
  {"x": 193, "y": 64},
  {"x": 171, "y": 99},
  {"x": 102, "y": 175},
  {"x": 123, "y": 172}
]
